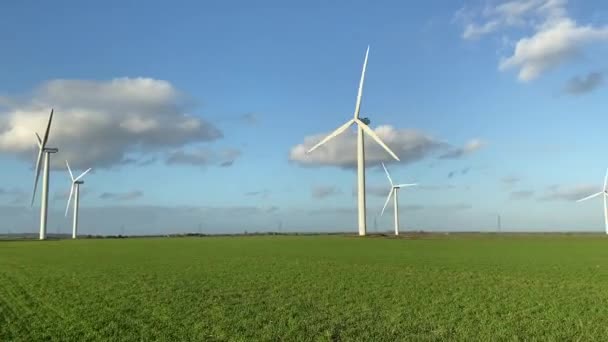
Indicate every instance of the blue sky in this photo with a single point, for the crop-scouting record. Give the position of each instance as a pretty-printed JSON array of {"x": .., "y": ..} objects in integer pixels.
[{"x": 196, "y": 110}]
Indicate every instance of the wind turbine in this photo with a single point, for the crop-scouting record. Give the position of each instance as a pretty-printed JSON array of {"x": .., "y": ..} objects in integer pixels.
[
  {"x": 394, "y": 190},
  {"x": 499, "y": 223},
  {"x": 46, "y": 152},
  {"x": 362, "y": 126},
  {"x": 75, "y": 190},
  {"x": 605, "y": 193}
]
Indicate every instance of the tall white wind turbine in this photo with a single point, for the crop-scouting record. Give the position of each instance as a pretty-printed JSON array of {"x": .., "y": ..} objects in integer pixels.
[
  {"x": 74, "y": 190},
  {"x": 46, "y": 152},
  {"x": 604, "y": 192},
  {"x": 394, "y": 191},
  {"x": 362, "y": 126}
]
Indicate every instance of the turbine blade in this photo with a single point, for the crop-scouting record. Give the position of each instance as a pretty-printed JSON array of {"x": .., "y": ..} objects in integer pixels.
[
  {"x": 387, "y": 175},
  {"x": 39, "y": 140},
  {"x": 606, "y": 180},
  {"x": 67, "y": 208},
  {"x": 70, "y": 171},
  {"x": 387, "y": 199},
  {"x": 82, "y": 175},
  {"x": 374, "y": 136},
  {"x": 360, "y": 92},
  {"x": 37, "y": 171},
  {"x": 48, "y": 129},
  {"x": 589, "y": 197},
  {"x": 405, "y": 185},
  {"x": 334, "y": 134}
]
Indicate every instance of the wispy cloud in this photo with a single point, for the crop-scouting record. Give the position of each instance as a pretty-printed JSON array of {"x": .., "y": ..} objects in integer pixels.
[
  {"x": 411, "y": 207},
  {"x": 459, "y": 152},
  {"x": 63, "y": 195},
  {"x": 584, "y": 84},
  {"x": 264, "y": 193},
  {"x": 521, "y": 195},
  {"x": 203, "y": 157},
  {"x": 568, "y": 193},
  {"x": 510, "y": 180},
  {"x": 436, "y": 187},
  {"x": 324, "y": 191},
  {"x": 374, "y": 190},
  {"x": 462, "y": 172},
  {"x": 122, "y": 196},
  {"x": 250, "y": 118},
  {"x": 14, "y": 195},
  {"x": 448, "y": 207}
]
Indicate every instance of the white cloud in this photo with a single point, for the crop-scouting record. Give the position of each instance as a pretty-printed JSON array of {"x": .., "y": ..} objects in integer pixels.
[
  {"x": 408, "y": 144},
  {"x": 101, "y": 123},
  {"x": 551, "y": 46},
  {"x": 555, "y": 38}
]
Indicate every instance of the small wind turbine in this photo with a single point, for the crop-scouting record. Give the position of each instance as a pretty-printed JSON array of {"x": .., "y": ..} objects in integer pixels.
[
  {"x": 362, "y": 126},
  {"x": 499, "y": 223},
  {"x": 394, "y": 190},
  {"x": 46, "y": 151},
  {"x": 605, "y": 193},
  {"x": 75, "y": 190}
]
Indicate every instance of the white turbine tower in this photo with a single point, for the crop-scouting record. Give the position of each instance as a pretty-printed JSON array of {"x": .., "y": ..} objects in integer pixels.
[
  {"x": 46, "y": 152},
  {"x": 604, "y": 192},
  {"x": 361, "y": 127},
  {"x": 75, "y": 190},
  {"x": 394, "y": 191}
]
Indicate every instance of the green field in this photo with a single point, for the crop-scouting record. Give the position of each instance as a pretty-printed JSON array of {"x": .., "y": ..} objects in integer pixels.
[{"x": 271, "y": 288}]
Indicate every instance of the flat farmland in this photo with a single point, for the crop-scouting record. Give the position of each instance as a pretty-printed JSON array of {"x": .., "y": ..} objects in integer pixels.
[{"x": 306, "y": 288}]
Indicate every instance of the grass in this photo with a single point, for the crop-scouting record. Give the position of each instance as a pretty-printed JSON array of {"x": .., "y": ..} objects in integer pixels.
[{"x": 456, "y": 287}]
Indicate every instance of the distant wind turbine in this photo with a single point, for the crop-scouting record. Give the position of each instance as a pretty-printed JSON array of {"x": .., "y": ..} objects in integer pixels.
[
  {"x": 499, "y": 223},
  {"x": 74, "y": 190},
  {"x": 46, "y": 152},
  {"x": 394, "y": 191},
  {"x": 362, "y": 126},
  {"x": 604, "y": 192}
]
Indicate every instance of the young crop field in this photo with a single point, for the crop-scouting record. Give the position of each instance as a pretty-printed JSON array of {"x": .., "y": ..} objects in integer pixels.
[{"x": 306, "y": 288}]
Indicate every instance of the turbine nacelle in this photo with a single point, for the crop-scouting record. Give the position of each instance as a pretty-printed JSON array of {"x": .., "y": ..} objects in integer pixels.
[{"x": 366, "y": 121}]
